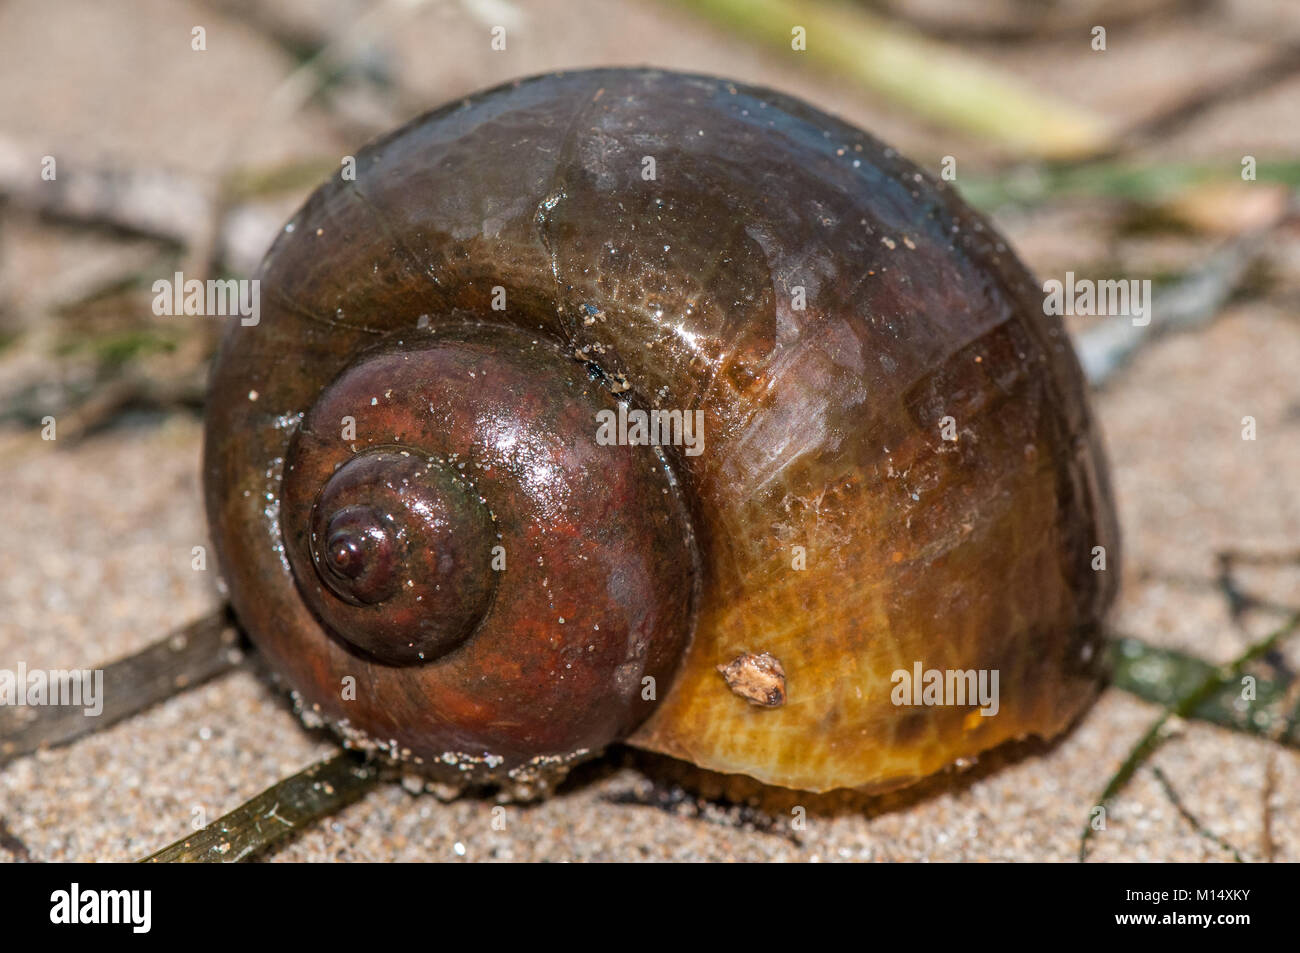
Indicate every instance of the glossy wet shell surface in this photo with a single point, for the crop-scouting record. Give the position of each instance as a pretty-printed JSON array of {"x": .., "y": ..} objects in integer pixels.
[{"x": 822, "y": 423}]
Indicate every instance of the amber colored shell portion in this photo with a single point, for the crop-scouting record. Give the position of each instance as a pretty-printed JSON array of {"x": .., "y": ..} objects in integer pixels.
[{"x": 826, "y": 305}]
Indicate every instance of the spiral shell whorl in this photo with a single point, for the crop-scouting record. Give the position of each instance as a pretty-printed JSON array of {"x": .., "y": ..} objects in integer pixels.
[
  {"x": 500, "y": 589},
  {"x": 822, "y": 428},
  {"x": 402, "y": 544}
]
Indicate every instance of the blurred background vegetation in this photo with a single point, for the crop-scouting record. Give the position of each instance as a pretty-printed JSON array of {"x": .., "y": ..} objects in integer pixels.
[{"x": 1115, "y": 155}]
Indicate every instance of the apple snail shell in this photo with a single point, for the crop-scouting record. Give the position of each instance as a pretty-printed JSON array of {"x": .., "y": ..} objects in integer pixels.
[{"x": 420, "y": 529}]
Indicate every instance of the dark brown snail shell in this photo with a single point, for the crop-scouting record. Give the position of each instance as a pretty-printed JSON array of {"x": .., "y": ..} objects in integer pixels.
[{"x": 419, "y": 400}]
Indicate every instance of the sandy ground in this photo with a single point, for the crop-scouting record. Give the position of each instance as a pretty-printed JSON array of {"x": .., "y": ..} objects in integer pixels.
[{"x": 100, "y": 531}]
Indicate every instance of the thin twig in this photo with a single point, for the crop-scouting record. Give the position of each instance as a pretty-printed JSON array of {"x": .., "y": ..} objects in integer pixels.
[
  {"x": 1282, "y": 64},
  {"x": 1190, "y": 303},
  {"x": 1189, "y": 817},
  {"x": 280, "y": 810},
  {"x": 1286, "y": 557},
  {"x": 187, "y": 657},
  {"x": 1187, "y": 581}
]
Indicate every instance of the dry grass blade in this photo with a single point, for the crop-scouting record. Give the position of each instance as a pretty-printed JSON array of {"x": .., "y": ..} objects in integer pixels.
[{"x": 930, "y": 79}]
